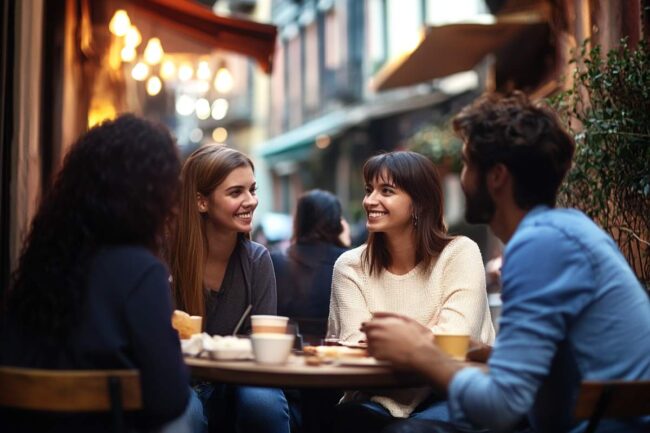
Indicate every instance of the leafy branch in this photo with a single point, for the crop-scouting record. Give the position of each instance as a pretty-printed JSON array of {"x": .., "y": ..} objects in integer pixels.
[{"x": 608, "y": 111}]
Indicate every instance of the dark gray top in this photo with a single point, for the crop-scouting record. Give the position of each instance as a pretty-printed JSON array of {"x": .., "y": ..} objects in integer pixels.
[{"x": 249, "y": 279}]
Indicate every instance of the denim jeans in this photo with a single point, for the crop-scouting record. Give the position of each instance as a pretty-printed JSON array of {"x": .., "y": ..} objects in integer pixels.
[
  {"x": 243, "y": 409},
  {"x": 368, "y": 416}
]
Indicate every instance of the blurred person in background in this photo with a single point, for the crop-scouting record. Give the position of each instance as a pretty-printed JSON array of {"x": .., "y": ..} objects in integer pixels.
[
  {"x": 90, "y": 291},
  {"x": 218, "y": 271},
  {"x": 304, "y": 271},
  {"x": 409, "y": 266},
  {"x": 304, "y": 278}
]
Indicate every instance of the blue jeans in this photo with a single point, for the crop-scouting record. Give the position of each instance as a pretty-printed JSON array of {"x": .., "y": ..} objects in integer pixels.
[
  {"x": 244, "y": 409},
  {"x": 368, "y": 416},
  {"x": 427, "y": 410}
]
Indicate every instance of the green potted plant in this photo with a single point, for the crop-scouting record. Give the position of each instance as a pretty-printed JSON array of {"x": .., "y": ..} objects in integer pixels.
[
  {"x": 440, "y": 144},
  {"x": 608, "y": 110}
]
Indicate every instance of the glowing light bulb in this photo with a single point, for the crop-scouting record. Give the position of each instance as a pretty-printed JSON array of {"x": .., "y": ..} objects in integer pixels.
[
  {"x": 203, "y": 72},
  {"x": 196, "y": 135},
  {"x": 120, "y": 23},
  {"x": 185, "y": 72},
  {"x": 154, "y": 85},
  {"x": 185, "y": 105},
  {"x": 220, "y": 135},
  {"x": 140, "y": 71},
  {"x": 133, "y": 38},
  {"x": 153, "y": 52},
  {"x": 128, "y": 54},
  {"x": 223, "y": 81},
  {"x": 219, "y": 109},
  {"x": 202, "y": 108},
  {"x": 167, "y": 70}
]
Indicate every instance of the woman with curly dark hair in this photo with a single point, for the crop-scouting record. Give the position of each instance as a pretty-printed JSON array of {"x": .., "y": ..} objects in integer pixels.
[{"x": 89, "y": 291}]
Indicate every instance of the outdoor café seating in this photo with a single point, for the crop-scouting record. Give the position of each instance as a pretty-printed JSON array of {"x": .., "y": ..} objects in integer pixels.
[
  {"x": 71, "y": 391},
  {"x": 611, "y": 399}
]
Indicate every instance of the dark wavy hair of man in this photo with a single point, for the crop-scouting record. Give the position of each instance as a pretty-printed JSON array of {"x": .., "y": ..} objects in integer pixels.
[
  {"x": 118, "y": 185},
  {"x": 527, "y": 138}
]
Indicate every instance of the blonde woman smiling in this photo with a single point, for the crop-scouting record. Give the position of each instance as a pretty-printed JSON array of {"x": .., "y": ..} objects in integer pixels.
[{"x": 218, "y": 271}]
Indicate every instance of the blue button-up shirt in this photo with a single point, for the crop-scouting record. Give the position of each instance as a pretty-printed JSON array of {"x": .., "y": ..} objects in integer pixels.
[{"x": 573, "y": 310}]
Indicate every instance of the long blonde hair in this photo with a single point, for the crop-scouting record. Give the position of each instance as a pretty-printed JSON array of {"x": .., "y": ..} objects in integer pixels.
[{"x": 202, "y": 172}]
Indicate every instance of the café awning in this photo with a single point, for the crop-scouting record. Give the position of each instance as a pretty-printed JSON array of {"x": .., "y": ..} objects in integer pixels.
[
  {"x": 249, "y": 38},
  {"x": 448, "y": 49},
  {"x": 299, "y": 143}
]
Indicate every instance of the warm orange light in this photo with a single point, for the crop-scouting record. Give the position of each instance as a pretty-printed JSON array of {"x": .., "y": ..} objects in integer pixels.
[
  {"x": 203, "y": 72},
  {"x": 153, "y": 52},
  {"x": 140, "y": 71},
  {"x": 220, "y": 135},
  {"x": 154, "y": 85},
  {"x": 167, "y": 70},
  {"x": 120, "y": 23},
  {"x": 100, "y": 110},
  {"x": 128, "y": 54},
  {"x": 133, "y": 38},
  {"x": 223, "y": 81}
]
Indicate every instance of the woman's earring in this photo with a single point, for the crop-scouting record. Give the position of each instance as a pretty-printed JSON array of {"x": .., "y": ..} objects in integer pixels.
[{"x": 414, "y": 217}]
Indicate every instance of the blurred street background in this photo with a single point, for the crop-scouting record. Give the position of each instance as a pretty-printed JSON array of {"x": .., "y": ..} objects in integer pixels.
[{"x": 308, "y": 88}]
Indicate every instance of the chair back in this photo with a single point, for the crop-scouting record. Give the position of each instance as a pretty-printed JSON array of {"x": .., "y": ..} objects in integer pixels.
[
  {"x": 72, "y": 391},
  {"x": 611, "y": 399}
]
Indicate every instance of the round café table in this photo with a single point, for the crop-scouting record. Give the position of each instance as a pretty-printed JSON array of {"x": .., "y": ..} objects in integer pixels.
[
  {"x": 320, "y": 386},
  {"x": 296, "y": 374}
]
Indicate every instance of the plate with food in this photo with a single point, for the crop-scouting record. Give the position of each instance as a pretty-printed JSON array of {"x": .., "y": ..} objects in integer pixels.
[
  {"x": 340, "y": 355},
  {"x": 335, "y": 352},
  {"x": 358, "y": 345},
  {"x": 228, "y": 348},
  {"x": 367, "y": 361}
]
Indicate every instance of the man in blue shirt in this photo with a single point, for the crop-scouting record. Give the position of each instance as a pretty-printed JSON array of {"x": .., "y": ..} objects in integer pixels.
[{"x": 573, "y": 309}]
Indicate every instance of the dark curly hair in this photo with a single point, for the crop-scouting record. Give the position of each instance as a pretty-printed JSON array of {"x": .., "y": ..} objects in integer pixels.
[
  {"x": 318, "y": 218},
  {"x": 117, "y": 186},
  {"x": 527, "y": 138}
]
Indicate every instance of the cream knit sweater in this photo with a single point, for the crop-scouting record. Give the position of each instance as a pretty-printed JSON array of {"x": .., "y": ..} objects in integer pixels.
[{"x": 449, "y": 296}]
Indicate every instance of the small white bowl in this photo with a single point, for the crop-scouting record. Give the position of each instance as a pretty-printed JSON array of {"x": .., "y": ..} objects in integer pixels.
[{"x": 272, "y": 348}]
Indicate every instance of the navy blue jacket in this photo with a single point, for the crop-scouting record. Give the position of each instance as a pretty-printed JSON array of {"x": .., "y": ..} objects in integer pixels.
[{"x": 126, "y": 324}]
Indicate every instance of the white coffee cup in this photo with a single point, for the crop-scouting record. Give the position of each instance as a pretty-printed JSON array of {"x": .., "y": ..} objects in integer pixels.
[
  {"x": 264, "y": 324},
  {"x": 271, "y": 348}
]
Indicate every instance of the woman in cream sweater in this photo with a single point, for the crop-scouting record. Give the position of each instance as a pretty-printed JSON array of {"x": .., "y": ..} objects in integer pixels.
[{"x": 408, "y": 266}]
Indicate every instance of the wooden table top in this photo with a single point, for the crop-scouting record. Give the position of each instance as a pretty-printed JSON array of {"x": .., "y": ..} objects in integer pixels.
[{"x": 296, "y": 374}]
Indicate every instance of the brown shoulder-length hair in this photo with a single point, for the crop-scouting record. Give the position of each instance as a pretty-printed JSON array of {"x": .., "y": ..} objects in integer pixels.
[
  {"x": 417, "y": 176},
  {"x": 202, "y": 172}
]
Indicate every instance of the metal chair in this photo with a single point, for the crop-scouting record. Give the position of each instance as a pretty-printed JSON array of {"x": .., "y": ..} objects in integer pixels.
[
  {"x": 72, "y": 391},
  {"x": 611, "y": 399}
]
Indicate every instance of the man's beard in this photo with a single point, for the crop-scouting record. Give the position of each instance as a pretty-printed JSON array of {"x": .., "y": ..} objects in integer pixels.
[{"x": 479, "y": 206}]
